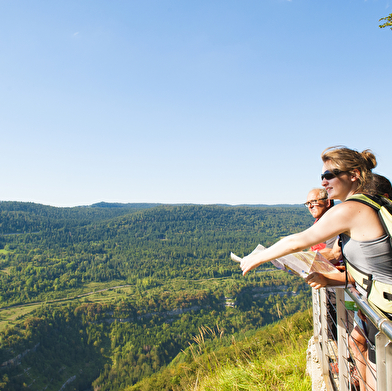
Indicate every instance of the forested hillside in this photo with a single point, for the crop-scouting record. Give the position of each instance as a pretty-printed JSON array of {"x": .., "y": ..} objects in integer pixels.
[
  {"x": 24, "y": 217},
  {"x": 173, "y": 266}
]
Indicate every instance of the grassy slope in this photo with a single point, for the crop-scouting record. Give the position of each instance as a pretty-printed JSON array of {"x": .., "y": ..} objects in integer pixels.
[{"x": 274, "y": 358}]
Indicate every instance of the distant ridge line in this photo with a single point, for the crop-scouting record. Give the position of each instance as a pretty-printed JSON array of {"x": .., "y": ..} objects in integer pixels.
[{"x": 147, "y": 205}]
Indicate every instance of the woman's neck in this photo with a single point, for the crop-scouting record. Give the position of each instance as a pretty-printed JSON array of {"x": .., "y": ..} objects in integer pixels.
[{"x": 351, "y": 192}]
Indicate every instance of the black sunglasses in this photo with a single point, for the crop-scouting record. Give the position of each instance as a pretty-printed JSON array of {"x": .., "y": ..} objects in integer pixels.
[{"x": 328, "y": 175}]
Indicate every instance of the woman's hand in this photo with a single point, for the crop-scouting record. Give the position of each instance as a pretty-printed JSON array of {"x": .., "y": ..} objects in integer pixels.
[
  {"x": 316, "y": 280},
  {"x": 248, "y": 264}
]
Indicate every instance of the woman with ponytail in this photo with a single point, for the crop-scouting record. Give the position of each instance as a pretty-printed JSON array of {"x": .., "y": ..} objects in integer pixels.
[{"x": 365, "y": 244}]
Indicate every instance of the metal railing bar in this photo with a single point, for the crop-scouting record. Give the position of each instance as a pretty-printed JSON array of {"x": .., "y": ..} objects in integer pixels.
[
  {"x": 372, "y": 312},
  {"x": 341, "y": 340},
  {"x": 388, "y": 364}
]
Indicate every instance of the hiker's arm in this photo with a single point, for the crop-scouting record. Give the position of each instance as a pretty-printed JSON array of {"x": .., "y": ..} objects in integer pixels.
[
  {"x": 319, "y": 280},
  {"x": 335, "y": 221}
]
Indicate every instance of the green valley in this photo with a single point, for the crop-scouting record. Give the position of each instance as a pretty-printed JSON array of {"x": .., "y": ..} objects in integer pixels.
[{"x": 106, "y": 296}]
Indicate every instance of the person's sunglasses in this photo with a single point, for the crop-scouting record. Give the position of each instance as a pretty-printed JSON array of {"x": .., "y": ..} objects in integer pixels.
[
  {"x": 314, "y": 202},
  {"x": 328, "y": 175}
]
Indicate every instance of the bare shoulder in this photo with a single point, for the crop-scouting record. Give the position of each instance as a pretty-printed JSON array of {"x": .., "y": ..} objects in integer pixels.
[
  {"x": 361, "y": 221},
  {"x": 358, "y": 207},
  {"x": 349, "y": 215},
  {"x": 346, "y": 209}
]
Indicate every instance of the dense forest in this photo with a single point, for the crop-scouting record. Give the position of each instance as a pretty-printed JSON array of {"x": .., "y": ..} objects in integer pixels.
[{"x": 133, "y": 283}]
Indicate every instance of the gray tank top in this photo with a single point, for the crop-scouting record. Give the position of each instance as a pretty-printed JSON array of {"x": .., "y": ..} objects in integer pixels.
[{"x": 371, "y": 257}]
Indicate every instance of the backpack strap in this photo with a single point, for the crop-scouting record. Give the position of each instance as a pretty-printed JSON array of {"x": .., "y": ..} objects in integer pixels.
[
  {"x": 362, "y": 279},
  {"x": 382, "y": 205},
  {"x": 368, "y": 200},
  {"x": 379, "y": 293}
]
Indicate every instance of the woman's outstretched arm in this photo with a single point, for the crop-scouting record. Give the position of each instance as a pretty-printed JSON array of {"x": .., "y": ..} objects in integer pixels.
[{"x": 335, "y": 221}]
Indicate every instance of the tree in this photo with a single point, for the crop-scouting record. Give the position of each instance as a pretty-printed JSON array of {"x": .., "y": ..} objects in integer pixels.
[{"x": 388, "y": 22}]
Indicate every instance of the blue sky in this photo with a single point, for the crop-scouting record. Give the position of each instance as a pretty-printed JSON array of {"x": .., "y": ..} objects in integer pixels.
[{"x": 190, "y": 101}]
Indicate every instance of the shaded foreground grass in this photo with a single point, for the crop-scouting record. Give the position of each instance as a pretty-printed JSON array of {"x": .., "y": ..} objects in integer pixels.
[
  {"x": 284, "y": 371},
  {"x": 273, "y": 358}
]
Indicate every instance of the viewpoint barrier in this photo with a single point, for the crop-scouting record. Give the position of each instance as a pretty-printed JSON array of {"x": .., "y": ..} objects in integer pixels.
[{"x": 334, "y": 317}]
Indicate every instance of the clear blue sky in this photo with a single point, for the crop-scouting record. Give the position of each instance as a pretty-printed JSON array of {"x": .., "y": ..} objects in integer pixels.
[{"x": 188, "y": 101}]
